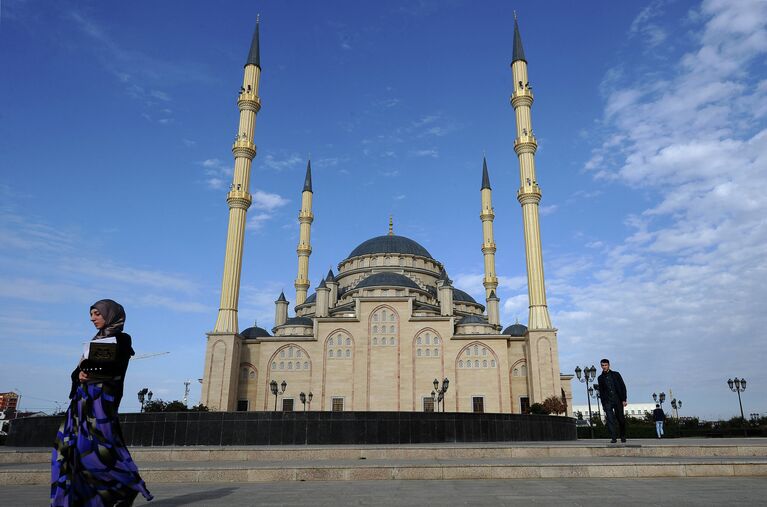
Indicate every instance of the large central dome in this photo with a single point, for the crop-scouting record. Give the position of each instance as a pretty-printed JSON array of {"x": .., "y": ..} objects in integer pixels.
[{"x": 390, "y": 244}]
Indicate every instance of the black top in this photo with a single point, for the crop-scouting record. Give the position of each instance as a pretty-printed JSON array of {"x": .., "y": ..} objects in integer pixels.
[
  {"x": 611, "y": 388},
  {"x": 658, "y": 415},
  {"x": 254, "y": 55},
  {"x": 485, "y": 177},
  {"x": 519, "y": 52},
  {"x": 111, "y": 371},
  {"x": 390, "y": 244}
]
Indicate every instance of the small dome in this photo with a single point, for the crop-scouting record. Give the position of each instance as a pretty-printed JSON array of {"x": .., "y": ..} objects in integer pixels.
[
  {"x": 515, "y": 330},
  {"x": 387, "y": 279},
  {"x": 459, "y": 295},
  {"x": 473, "y": 319},
  {"x": 390, "y": 244},
  {"x": 299, "y": 321},
  {"x": 254, "y": 332}
]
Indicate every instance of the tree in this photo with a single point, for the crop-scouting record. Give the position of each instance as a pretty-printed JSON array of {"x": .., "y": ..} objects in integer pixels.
[
  {"x": 538, "y": 408},
  {"x": 154, "y": 406},
  {"x": 199, "y": 408},
  {"x": 175, "y": 406},
  {"x": 554, "y": 405}
]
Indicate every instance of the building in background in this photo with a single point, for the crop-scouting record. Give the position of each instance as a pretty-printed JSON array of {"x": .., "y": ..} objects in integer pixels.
[{"x": 375, "y": 335}]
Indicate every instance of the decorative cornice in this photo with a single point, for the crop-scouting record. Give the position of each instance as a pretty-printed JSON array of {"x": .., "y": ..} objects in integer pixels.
[
  {"x": 249, "y": 102},
  {"x": 239, "y": 199},
  {"x": 525, "y": 144},
  {"x": 522, "y": 98},
  {"x": 244, "y": 148}
]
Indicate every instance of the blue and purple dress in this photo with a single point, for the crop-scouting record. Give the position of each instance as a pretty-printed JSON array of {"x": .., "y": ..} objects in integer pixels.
[{"x": 90, "y": 464}]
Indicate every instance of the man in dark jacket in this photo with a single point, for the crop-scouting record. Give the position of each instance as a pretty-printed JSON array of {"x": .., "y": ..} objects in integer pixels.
[
  {"x": 658, "y": 416},
  {"x": 613, "y": 392}
]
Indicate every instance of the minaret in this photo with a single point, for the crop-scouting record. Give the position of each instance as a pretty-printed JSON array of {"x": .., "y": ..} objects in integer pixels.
[
  {"x": 304, "y": 250},
  {"x": 529, "y": 194},
  {"x": 488, "y": 243},
  {"x": 541, "y": 349},
  {"x": 222, "y": 355},
  {"x": 239, "y": 198}
]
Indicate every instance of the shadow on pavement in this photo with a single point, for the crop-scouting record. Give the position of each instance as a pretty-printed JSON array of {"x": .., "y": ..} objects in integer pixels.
[{"x": 191, "y": 498}]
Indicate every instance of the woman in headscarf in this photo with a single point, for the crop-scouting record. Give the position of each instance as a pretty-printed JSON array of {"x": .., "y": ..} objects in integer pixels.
[{"x": 91, "y": 465}]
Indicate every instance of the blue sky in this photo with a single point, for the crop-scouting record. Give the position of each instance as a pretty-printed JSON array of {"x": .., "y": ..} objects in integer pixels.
[{"x": 116, "y": 121}]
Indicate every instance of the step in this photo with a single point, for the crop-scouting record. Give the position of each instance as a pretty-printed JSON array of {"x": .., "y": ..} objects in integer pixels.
[
  {"x": 640, "y": 449},
  {"x": 243, "y": 471}
]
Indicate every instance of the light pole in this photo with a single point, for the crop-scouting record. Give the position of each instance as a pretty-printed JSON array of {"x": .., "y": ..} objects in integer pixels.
[
  {"x": 144, "y": 395},
  {"x": 275, "y": 390},
  {"x": 676, "y": 405},
  {"x": 594, "y": 392},
  {"x": 589, "y": 374},
  {"x": 304, "y": 398},
  {"x": 738, "y": 385},
  {"x": 659, "y": 398},
  {"x": 440, "y": 392}
]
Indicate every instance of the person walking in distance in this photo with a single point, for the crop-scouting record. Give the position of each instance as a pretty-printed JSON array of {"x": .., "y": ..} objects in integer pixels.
[
  {"x": 659, "y": 417},
  {"x": 90, "y": 464},
  {"x": 613, "y": 392}
]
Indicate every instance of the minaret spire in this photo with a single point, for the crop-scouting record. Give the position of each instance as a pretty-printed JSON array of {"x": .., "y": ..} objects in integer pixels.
[
  {"x": 391, "y": 225},
  {"x": 304, "y": 250},
  {"x": 254, "y": 55},
  {"x": 529, "y": 194},
  {"x": 239, "y": 198},
  {"x": 519, "y": 51},
  {"x": 488, "y": 243}
]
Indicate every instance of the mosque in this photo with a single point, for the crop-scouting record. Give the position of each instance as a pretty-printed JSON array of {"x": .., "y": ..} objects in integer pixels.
[{"x": 388, "y": 331}]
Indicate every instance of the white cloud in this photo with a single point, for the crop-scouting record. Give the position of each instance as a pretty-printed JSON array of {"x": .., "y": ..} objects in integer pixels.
[
  {"x": 217, "y": 173},
  {"x": 267, "y": 201},
  {"x": 426, "y": 153},
  {"x": 257, "y": 221},
  {"x": 284, "y": 162}
]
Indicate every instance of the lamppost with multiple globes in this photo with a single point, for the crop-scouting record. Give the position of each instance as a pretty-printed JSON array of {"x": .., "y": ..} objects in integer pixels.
[
  {"x": 275, "y": 390},
  {"x": 144, "y": 395},
  {"x": 738, "y": 385},
  {"x": 659, "y": 398},
  {"x": 594, "y": 393},
  {"x": 676, "y": 405},
  {"x": 439, "y": 392},
  {"x": 588, "y": 375},
  {"x": 304, "y": 398}
]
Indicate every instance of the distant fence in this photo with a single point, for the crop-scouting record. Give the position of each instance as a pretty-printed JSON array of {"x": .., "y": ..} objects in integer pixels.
[{"x": 314, "y": 428}]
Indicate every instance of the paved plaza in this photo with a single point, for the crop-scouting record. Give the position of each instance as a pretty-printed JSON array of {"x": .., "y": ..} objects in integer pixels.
[{"x": 575, "y": 492}]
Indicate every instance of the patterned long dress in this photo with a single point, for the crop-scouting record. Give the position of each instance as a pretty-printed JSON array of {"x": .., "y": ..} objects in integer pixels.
[{"x": 90, "y": 464}]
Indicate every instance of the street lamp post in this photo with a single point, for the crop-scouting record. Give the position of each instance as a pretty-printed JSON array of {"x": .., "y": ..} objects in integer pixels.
[
  {"x": 676, "y": 405},
  {"x": 589, "y": 374},
  {"x": 144, "y": 395},
  {"x": 659, "y": 398},
  {"x": 440, "y": 391},
  {"x": 738, "y": 385},
  {"x": 304, "y": 398},
  {"x": 276, "y": 391},
  {"x": 594, "y": 392}
]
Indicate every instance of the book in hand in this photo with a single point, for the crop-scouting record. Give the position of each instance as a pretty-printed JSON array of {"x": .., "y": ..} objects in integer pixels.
[{"x": 98, "y": 357}]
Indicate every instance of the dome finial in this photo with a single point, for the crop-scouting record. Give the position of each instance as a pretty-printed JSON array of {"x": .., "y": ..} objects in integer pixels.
[{"x": 391, "y": 225}]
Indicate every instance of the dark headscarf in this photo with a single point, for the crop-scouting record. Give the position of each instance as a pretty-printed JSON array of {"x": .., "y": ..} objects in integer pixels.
[{"x": 114, "y": 317}]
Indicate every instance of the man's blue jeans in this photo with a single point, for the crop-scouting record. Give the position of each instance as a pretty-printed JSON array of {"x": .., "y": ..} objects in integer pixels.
[{"x": 614, "y": 414}]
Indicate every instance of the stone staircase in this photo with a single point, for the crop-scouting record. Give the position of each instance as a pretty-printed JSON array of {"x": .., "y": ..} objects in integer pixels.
[{"x": 639, "y": 458}]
